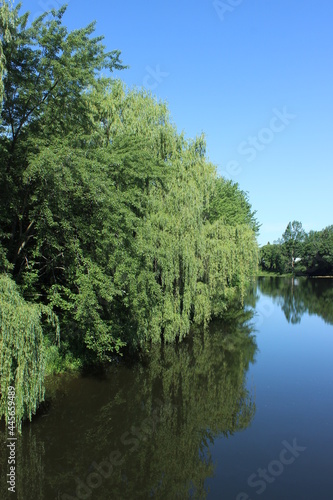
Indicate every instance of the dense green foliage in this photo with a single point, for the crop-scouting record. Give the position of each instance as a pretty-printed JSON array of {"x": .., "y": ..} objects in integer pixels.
[
  {"x": 108, "y": 216},
  {"x": 299, "y": 252},
  {"x": 231, "y": 205},
  {"x": 318, "y": 252},
  {"x": 5, "y": 22}
]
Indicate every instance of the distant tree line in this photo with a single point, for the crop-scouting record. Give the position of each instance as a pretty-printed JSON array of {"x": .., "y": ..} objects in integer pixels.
[
  {"x": 113, "y": 226},
  {"x": 299, "y": 252}
]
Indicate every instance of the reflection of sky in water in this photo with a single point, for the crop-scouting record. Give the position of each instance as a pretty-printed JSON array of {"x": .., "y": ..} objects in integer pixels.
[{"x": 293, "y": 381}]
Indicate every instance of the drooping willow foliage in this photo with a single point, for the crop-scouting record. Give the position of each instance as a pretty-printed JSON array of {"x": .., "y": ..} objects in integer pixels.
[
  {"x": 22, "y": 356},
  {"x": 196, "y": 266},
  {"x": 108, "y": 216}
]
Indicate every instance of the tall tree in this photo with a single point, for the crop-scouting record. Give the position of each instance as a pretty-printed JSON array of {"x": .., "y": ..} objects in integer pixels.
[
  {"x": 48, "y": 71},
  {"x": 6, "y": 19},
  {"x": 292, "y": 240}
]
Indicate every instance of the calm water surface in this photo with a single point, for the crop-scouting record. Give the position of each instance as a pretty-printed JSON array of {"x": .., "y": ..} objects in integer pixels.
[{"x": 241, "y": 412}]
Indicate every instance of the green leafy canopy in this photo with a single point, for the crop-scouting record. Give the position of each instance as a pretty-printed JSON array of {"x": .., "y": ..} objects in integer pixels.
[{"x": 109, "y": 217}]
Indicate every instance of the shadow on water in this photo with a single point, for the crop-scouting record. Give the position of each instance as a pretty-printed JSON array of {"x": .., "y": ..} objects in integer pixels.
[
  {"x": 145, "y": 430},
  {"x": 297, "y": 296}
]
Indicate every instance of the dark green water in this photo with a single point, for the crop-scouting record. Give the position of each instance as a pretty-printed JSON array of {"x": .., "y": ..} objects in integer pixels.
[{"x": 240, "y": 412}]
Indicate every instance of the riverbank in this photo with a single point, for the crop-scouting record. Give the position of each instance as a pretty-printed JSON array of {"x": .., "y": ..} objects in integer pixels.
[{"x": 262, "y": 274}]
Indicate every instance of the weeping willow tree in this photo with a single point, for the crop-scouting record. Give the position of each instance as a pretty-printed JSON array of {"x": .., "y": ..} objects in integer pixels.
[
  {"x": 22, "y": 354},
  {"x": 108, "y": 214},
  {"x": 191, "y": 268}
]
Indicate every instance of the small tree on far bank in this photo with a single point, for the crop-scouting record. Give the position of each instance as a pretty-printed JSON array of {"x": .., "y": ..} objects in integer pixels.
[{"x": 293, "y": 238}]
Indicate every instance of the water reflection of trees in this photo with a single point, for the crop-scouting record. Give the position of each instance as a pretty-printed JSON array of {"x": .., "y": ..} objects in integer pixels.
[
  {"x": 160, "y": 415},
  {"x": 298, "y": 296}
]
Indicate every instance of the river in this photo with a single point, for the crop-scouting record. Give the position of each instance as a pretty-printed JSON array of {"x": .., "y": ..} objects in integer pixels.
[{"x": 242, "y": 411}]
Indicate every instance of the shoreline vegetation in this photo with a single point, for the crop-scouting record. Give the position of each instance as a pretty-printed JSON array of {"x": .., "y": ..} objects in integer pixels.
[
  {"x": 299, "y": 253},
  {"x": 116, "y": 233},
  {"x": 264, "y": 274}
]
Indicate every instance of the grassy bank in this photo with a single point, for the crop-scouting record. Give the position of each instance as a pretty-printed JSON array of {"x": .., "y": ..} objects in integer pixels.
[{"x": 261, "y": 274}]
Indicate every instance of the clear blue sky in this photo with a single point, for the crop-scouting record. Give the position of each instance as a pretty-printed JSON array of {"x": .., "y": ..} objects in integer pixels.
[{"x": 230, "y": 69}]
